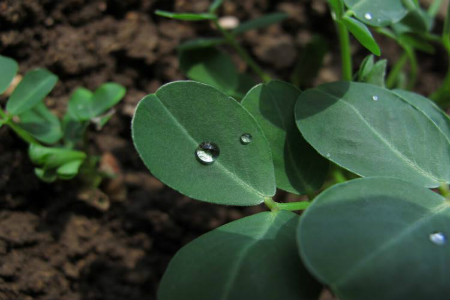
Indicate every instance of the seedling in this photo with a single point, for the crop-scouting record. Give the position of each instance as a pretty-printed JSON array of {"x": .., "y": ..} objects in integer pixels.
[
  {"x": 56, "y": 146},
  {"x": 381, "y": 236}
]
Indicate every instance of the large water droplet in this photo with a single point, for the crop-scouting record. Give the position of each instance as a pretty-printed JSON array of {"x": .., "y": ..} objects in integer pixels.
[
  {"x": 246, "y": 138},
  {"x": 438, "y": 238},
  {"x": 207, "y": 152},
  {"x": 375, "y": 98},
  {"x": 368, "y": 16}
]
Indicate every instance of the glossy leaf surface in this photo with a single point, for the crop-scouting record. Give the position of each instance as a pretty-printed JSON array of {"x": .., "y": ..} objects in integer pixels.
[
  {"x": 8, "y": 69},
  {"x": 378, "y": 238},
  {"x": 170, "y": 125},
  {"x": 252, "y": 258},
  {"x": 298, "y": 167},
  {"x": 42, "y": 124},
  {"x": 358, "y": 126},
  {"x": 379, "y": 12},
  {"x": 34, "y": 86}
]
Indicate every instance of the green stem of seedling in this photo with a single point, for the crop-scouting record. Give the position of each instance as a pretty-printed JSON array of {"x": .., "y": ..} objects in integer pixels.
[
  {"x": 276, "y": 206},
  {"x": 7, "y": 120},
  {"x": 242, "y": 52},
  {"x": 337, "y": 175},
  {"x": 445, "y": 191},
  {"x": 396, "y": 69},
  {"x": 346, "y": 58}
]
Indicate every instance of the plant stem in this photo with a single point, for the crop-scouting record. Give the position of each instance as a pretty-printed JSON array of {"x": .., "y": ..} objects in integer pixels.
[
  {"x": 276, "y": 206},
  {"x": 396, "y": 69},
  {"x": 445, "y": 191},
  {"x": 24, "y": 135},
  {"x": 346, "y": 58},
  {"x": 242, "y": 52}
]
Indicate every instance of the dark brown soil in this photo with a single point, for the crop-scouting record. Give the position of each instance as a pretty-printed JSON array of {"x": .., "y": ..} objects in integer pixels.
[{"x": 56, "y": 243}]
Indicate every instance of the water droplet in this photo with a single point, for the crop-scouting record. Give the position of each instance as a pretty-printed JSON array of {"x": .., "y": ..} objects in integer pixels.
[
  {"x": 207, "y": 152},
  {"x": 246, "y": 138},
  {"x": 328, "y": 155},
  {"x": 438, "y": 238},
  {"x": 375, "y": 98},
  {"x": 368, "y": 16}
]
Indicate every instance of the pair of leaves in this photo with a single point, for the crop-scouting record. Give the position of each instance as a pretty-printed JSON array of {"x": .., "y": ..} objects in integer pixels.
[
  {"x": 55, "y": 163},
  {"x": 252, "y": 258},
  {"x": 378, "y": 238},
  {"x": 372, "y": 131},
  {"x": 371, "y": 72},
  {"x": 171, "y": 124}
]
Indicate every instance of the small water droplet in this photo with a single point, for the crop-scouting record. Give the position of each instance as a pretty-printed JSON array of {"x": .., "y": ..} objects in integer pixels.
[
  {"x": 368, "y": 16},
  {"x": 328, "y": 155},
  {"x": 207, "y": 152},
  {"x": 438, "y": 238},
  {"x": 246, "y": 138},
  {"x": 375, "y": 98}
]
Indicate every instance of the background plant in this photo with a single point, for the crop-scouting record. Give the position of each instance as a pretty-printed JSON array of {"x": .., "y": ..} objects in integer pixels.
[
  {"x": 381, "y": 236},
  {"x": 57, "y": 147}
]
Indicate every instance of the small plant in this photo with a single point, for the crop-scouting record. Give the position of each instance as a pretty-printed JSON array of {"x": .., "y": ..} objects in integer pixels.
[
  {"x": 381, "y": 236},
  {"x": 56, "y": 146}
]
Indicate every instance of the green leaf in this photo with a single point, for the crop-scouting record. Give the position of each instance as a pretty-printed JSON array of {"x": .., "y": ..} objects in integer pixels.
[
  {"x": 252, "y": 258},
  {"x": 371, "y": 72},
  {"x": 85, "y": 105},
  {"x": 365, "y": 68},
  {"x": 169, "y": 126},
  {"x": 201, "y": 43},
  {"x": 336, "y": 7},
  {"x": 186, "y": 16},
  {"x": 373, "y": 132},
  {"x": 53, "y": 157},
  {"x": 260, "y": 22},
  {"x": 377, "y": 13},
  {"x": 213, "y": 67},
  {"x": 73, "y": 130},
  {"x": 407, "y": 40},
  {"x": 298, "y": 167},
  {"x": 31, "y": 90},
  {"x": 362, "y": 34},
  {"x": 372, "y": 238},
  {"x": 41, "y": 124},
  {"x": 9, "y": 69},
  {"x": 429, "y": 108},
  {"x": 69, "y": 170},
  {"x": 215, "y": 5},
  {"x": 416, "y": 21},
  {"x": 46, "y": 175}
]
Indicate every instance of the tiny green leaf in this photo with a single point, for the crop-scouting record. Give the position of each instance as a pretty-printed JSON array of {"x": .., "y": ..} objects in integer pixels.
[
  {"x": 69, "y": 170},
  {"x": 377, "y": 13},
  {"x": 31, "y": 90},
  {"x": 362, "y": 34},
  {"x": 201, "y": 43},
  {"x": 357, "y": 126},
  {"x": 373, "y": 73},
  {"x": 8, "y": 67},
  {"x": 189, "y": 135},
  {"x": 365, "y": 68},
  {"x": 260, "y": 22},
  {"x": 252, "y": 258},
  {"x": 298, "y": 167},
  {"x": 73, "y": 130},
  {"x": 53, "y": 157},
  {"x": 41, "y": 124},
  {"x": 186, "y": 16},
  {"x": 361, "y": 236},
  {"x": 215, "y": 5}
]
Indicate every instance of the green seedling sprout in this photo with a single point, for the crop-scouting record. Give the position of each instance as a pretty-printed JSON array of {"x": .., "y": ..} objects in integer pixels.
[
  {"x": 363, "y": 155},
  {"x": 55, "y": 146}
]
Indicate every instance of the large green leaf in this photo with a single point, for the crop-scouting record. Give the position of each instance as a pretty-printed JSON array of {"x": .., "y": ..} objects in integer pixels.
[
  {"x": 41, "y": 123},
  {"x": 362, "y": 34},
  {"x": 373, "y": 132},
  {"x": 31, "y": 90},
  {"x": 8, "y": 67},
  {"x": 213, "y": 67},
  {"x": 252, "y": 258},
  {"x": 298, "y": 167},
  {"x": 379, "y": 12},
  {"x": 378, "y": 238},
  {"x": 170, "y": 125},
  {"x": 429, "y": 108}
]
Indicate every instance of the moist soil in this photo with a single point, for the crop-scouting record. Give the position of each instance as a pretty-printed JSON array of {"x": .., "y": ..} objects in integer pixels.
[{"x": 59, "y": 241}]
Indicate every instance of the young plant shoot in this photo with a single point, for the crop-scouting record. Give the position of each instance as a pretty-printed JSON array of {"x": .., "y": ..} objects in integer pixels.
[{"x": 365, "y": 152}]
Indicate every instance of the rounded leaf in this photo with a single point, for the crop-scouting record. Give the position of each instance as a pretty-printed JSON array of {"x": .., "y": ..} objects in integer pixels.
[
  {"x": 362, "y": 34},
  {"x": 170, "y": 126},
  {"x": 378, "y": 238},
  {"x": 371, "y": 131},
  {"x": 9, "y": 69},
  {"x": 252, "y": 258},
  {"x": 298, "y": 167},
  {"x": 379, "y": 12}
]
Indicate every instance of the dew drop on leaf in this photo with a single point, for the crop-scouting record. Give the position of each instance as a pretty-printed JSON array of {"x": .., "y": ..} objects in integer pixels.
[
  {"x": 207, "y": 152},
  {"x": 328, "y": 155},
  {"x": 246, "y": 138},
  {"x": 438, "y": 238},
  {"x": 368, "y": 16},
  {"x": 375, "y": 98}
]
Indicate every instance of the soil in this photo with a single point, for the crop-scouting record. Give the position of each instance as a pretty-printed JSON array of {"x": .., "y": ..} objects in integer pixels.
[{"x": 57, "y": 241}]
